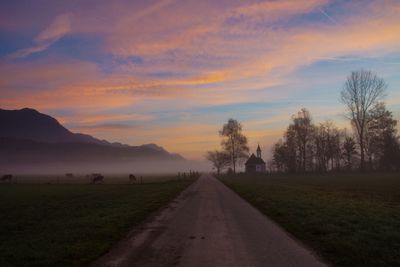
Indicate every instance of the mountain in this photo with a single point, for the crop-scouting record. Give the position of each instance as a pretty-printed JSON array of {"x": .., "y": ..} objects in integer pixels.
[
  {"x": 28, "y": 136},
  {"x": 32, "y": 125}
]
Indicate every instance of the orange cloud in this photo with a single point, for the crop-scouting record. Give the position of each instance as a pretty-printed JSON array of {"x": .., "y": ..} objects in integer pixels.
[
  {"x": 361, "y": 36},
  {"x": 93, "y": 120},
  {"x": 243, "y": 53},
  {"x": 255, "y": 61},
  {"x": 212, "y": 54}
]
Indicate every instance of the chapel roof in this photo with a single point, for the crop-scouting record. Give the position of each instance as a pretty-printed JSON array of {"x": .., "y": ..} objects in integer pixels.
[{"x": 254, "y": 160}]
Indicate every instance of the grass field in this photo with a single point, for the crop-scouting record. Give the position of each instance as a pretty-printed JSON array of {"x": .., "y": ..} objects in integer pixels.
[
  {"x": 73, "y": 224},
  {"x": 351, "y": 220},
  {"x": 83, "y": 179}
]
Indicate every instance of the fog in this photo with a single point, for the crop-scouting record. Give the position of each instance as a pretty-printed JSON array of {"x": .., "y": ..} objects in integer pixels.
[{"x": 137, "y": 167}]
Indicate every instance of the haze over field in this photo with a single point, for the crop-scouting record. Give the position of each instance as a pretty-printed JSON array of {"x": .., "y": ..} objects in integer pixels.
[
  {"x": 171, "y": 72},
  {"x": 35, "y": 143}
]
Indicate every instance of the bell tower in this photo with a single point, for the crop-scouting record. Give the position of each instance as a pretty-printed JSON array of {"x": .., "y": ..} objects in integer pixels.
[{"x": 258, "y": 151}]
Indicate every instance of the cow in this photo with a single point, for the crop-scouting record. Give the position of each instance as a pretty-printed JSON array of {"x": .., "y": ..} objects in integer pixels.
[
  {"x": 96, "y": 178},
  {"x": 7, "y": 177},
  {"x": 132, "y": 178}
]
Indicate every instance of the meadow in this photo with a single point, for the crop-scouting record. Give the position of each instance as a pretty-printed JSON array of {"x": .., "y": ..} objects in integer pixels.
[
  {"x": 80, "y": 178},
  {"x": 46, "y": 222},
  {"x": 348, "y": 219}
]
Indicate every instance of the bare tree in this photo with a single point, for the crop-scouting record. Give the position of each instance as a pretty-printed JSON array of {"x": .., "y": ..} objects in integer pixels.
[
  {"x": 381, "y": 132},
  {"x": 361, "y": 91},
  {"x": 333, "y": 145},
  {"x": 220, "y": 160},
  {"x": 290, "y": 150},
  {"x": 349, "y": 151},
  {"x": 280, "y": 156},
  {"x": 295, "y": 151},
  {"x": 322, "y": 143},
  {"x": 235, "y": 142},
  {"x": 303, "y": 128}
]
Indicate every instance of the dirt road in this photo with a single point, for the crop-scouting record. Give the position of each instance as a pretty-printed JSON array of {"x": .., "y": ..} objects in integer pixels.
[{"x": 209, "y": 225}]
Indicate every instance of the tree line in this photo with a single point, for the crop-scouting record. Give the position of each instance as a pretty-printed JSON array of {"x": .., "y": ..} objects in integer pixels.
[{"x": 372, "y": 145}]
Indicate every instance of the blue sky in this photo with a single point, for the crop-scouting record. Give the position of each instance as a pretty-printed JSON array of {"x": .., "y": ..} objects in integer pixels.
[{"x": 172, "y": 72}]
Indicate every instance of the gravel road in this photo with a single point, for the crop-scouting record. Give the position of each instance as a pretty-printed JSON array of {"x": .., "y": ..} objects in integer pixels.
[{"x": 209, "y": 225}]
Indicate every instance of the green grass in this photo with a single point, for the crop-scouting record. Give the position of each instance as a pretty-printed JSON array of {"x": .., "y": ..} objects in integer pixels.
[
  {"x": 349, "y": 219},
  {"x": 72, "y": 225},
  {"x": 82, "y": 179}
]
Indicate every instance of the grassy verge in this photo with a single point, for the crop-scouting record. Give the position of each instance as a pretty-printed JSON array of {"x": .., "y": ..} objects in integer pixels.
[
  {"x": 71, "y": 225},
  {"x": 351, "y": 220}
]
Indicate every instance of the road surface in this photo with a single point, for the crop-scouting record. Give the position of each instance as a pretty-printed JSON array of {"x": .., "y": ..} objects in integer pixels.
[{"x": 209, "y": 225}]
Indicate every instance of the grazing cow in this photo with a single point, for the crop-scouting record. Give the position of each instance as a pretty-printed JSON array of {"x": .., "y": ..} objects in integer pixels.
[
  {"x": 132, "y": 178},
  {"x": 69, "y": 174},
  {"x": 7, "y": 177},
  {"x": 96, "y": 178}
]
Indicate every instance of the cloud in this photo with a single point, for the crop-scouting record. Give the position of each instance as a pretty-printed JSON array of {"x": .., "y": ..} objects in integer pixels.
[
  {"x": 60, "y": 26},
  {"x": 269, "y": 11},
  {"x": 279, "y": 51},
  {"x": 261, "y": 44},
  {"x": 57, "y": 29},
  {"x": 105, "y": 120},
  {"x": 103, "y": 127},
  {"x": 246, "y": 66},
  {"x": 195, "y": 54},
  {"x": 31, "y": 50}
]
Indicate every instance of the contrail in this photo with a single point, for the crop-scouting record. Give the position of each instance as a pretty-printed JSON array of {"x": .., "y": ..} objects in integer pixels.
[{"x": 329, "y": 17}]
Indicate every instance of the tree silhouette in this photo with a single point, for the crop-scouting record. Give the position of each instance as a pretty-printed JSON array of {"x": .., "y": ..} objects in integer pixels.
[
  {"x": 327, "y": 146},
  {"x": 303, "y": 130},
  {"x": 349, "y": 151},
  {"x": 381, "y": 136},
  {"x": 234, "y": 142},
  {"x": 220, "y": 160},
  {"x": 361, "y": 91}
]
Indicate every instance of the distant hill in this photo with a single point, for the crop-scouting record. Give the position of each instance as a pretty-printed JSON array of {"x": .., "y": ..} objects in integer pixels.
[
  {"x": 28, "y": 136},
  {"x": 32, "y": 125}
]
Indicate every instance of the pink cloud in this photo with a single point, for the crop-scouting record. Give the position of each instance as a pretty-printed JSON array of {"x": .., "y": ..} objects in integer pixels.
[
  {"x": 215, "y": 62},
  {"x": 60, "y": 26},
  {"x": 277, "y": 10}
]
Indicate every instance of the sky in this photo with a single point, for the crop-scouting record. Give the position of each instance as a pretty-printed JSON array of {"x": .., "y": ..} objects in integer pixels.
[{"x": 171, "y": 72}]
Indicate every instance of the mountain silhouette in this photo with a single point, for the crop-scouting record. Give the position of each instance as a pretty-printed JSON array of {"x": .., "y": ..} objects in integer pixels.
[
  {"x": 32, "y": 125},
  {"x": 27, "y": 135}
]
